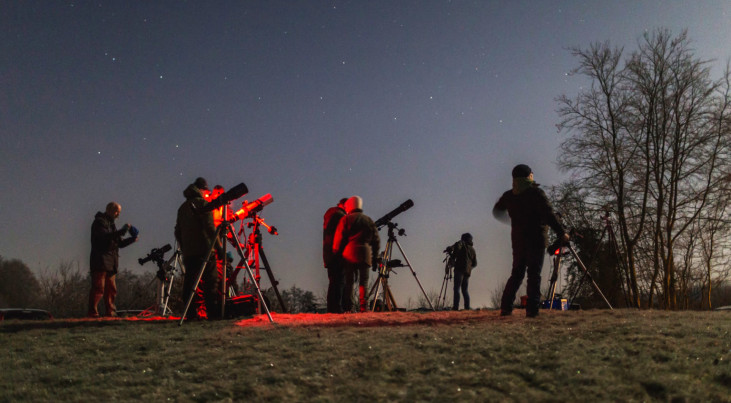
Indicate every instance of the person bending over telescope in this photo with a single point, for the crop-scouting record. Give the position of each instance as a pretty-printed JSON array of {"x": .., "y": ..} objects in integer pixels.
[
  {"x": 529, "y": 211},
  {"x": 195, "y": 233},
  {"x": 357, "y": 243}
]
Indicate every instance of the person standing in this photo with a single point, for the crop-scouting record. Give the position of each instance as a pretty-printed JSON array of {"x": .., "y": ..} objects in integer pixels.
[
  {"x": 356, "y": 241},
  {"x": 530, "y": 215},
  {"x": 465, "y": 259},
  {"x": 106, "y": 241},
  {"x": 333, "y": 263},
  {"x": 196, "y": 233}
]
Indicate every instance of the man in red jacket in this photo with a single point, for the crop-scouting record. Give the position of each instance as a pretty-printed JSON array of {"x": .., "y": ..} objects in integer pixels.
[{"x": 357, "y": 242}]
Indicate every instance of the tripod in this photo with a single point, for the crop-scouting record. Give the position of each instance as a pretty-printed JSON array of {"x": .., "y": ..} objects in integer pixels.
[
  {"x": 586, "y": 275},
  {"x": 226, "y": 227},
  {"x": 256, "y": 254},
  {"x": 444, "y": 290},
  {"x": 384, "y": 269},
  {"x": 165, "y": 275},
  {"x": 554, "y": 277}
]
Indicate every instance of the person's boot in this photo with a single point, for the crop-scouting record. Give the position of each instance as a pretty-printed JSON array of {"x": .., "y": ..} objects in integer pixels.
[{"x": 362, "y": 298}]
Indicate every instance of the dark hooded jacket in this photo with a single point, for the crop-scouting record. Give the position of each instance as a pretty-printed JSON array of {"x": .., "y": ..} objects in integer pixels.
[
  {"x": 194, "y": 231},
  {"x": 530, "y": 215},
  {"x": 356, "y": 238},
  {"x": 105, "y": 243},
  {"x": 465, "y": 258}
]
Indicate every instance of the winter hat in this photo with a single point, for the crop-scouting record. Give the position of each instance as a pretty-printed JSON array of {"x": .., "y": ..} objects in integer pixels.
[
  {"x": 354, "y": 203},
  {"x": 201, "y": 184},
  {"x": 521, "y": 171},
  {"x": 467, "y": 237}
]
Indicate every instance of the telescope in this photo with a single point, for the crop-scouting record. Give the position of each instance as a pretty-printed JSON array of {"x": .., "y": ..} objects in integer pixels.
[
  {"x": 249, "y": 209},
  {"x": 156, "y": 254},
  {"x": 398, "y": 210},
  {"x": 233, "y": 194}
]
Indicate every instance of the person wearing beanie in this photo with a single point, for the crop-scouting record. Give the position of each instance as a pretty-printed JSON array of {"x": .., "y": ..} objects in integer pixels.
[
  {"x": 332, "y": 263},
  {"x": 465, "y": 259},
  {"x": 195, "y": 232},
  {"x": 529, "y": 213},
  {"x": 356, "y": 242}
]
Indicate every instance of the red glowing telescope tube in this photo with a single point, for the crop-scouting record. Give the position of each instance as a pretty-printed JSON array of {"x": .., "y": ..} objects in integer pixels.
[{"x": 253, "y": 207}]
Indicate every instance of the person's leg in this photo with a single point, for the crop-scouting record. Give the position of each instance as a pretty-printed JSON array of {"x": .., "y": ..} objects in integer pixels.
[
  {"x": 192, "y": 267},
  {"x": 362, "y": 284},
  {"x": 110, "y": 293},
  {"x": 465, "y": 294},
  {"x": 535, "y": 265},
  {"x": 334, "y": 291},
  {"x": 457, "y": 286},
  {"x": 349, "y": 279},
  {"x": 511, "y": 287},
  {"x": 212, "y": 291},
  {"x": 96, "y": 293}
]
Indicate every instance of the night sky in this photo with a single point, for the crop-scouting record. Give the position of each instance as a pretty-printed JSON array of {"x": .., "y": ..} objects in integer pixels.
[{"x": 311, "y": 101}]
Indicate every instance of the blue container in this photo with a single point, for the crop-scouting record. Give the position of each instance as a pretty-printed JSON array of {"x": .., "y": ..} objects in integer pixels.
[{"x": 559, "y": 304}]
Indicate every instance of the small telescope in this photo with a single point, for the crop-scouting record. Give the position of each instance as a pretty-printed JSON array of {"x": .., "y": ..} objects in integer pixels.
[
  {"x": 398, "y": 210},
  {"x": 251, "y": 208},
  {"x": 156, "y": 254},
  {"x": 233, "y": 194}
]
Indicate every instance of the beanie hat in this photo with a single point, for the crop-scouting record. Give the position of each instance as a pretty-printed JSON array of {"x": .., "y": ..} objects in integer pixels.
[
  {"x": 354, "y": 203},
  {"x": 201, "y": 184},
  {"x": 521, "y": 171},
  {"x": 467, "y": 237}
]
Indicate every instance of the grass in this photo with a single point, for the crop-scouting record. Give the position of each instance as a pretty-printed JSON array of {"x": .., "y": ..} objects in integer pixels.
[{"x": 462, "y": 356}]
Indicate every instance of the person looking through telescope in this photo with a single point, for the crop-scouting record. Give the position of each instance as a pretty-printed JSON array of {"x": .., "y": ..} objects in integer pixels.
[
  {"x": 333, "y": 264},
  {"x": 356, "y": 243},
  {"x": 465, "y": 259},
  {"x": 529, "y": 211},
  {"x": 195, "y": 233}
]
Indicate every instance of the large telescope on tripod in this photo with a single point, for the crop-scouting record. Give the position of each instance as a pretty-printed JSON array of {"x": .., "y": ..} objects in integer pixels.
[{"x": 398, "y": 210}]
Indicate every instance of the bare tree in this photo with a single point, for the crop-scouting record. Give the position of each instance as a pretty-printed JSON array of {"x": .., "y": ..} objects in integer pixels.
[{"x": 649, "y": 140}]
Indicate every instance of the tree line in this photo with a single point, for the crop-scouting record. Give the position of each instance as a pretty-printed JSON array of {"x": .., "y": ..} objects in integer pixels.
[
  {"x": 65, "y": 292},
  {"x": 647, "y": 145}
]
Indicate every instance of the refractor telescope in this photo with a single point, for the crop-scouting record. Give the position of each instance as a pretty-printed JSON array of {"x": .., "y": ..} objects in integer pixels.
[
  {"x": 398, "y": 210},
  {"x": 233, "y": 194},
  {"x": 249, "y": 209},
  {"x": 156, "y": 255}
]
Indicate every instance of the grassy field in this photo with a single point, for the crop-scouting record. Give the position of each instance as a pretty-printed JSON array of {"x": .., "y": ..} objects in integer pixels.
[{"x": 444, "y": 356}]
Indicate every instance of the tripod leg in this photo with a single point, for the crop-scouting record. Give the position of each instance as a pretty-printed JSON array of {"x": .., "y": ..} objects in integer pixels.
[
  {"x": 200, "y": 275},
  {"x": 271, "y": 278},
  {"x": 588, "y": 275},
  {"x": 248, "y": 270},
  {"x": 374, "y": 292},
  {"x": 414, "y": 273}
]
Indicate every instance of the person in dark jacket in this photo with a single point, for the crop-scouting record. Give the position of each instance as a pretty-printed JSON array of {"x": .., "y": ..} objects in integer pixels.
[
  {"x": 530, "y": 213},
  {"x": 357, "y": 243},
  {"x": 332, "y": 263},
  {"x": 465, "y": 259},
  {"x": 104, "y": 261},
  {"x": 196, "y": 233}
]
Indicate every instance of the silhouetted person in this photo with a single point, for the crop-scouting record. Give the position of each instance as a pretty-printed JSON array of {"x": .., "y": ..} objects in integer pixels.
[
  {"x": 195, "y": 233},
  {"x": 333, "y": 263},
  {"x": 104, "y": 261},
  {"x": 357, "y": 242},
  {"x": 465, "y": 259},
  {"x": 530, "y": 212}
]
